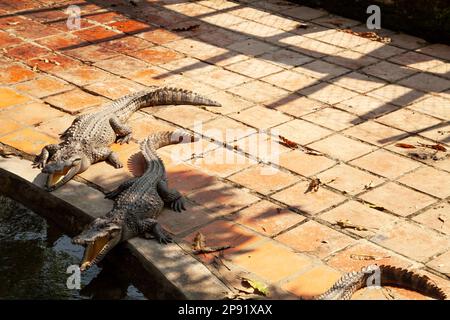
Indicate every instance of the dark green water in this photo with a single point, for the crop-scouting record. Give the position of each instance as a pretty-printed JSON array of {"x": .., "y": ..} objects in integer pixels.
[{"x": 34, "y": 257}]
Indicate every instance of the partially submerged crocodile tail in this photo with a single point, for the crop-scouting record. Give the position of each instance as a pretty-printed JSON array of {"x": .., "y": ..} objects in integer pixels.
[
  {"x": 349, "y": 283},
  {"x": 403, "y": 278}
]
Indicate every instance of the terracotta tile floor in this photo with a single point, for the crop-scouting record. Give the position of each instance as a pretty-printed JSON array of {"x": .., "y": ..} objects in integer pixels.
[{"x": 347, "y": 97}]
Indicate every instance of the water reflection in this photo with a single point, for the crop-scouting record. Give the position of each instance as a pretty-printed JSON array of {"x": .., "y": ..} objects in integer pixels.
[{"x": 34, "y": 256}]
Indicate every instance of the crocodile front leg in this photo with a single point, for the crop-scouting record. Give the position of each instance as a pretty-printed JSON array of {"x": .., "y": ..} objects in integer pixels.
[
  {"x": 41, "y": 160},
  {"x": 122, "y": 130},
  {"x": 171, "y": 197},
  {"x": 150, "y": 227},
  {"x": 106, "y": 153}
]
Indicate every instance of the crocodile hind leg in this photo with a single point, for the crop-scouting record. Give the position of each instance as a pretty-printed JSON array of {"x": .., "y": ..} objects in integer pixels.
[
  {"x": 122, "y": 187},
  {"x": 122, "y": 130},
  {"x": 150, "y": 228},
  {"x": 41, "y": 160},
  {"x": 106, "y": 153},
  {"x": 171, "y": 197}
]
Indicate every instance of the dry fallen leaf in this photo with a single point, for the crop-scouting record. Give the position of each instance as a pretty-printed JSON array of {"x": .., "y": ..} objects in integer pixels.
[
  {"x": 288, "y": 143},
  {"x": 310, "y": 151},
  {"x": 50, "y": 61},
  {"x": 293, "y": 145},
  {"x": 345, "y": 224},
  {"x": 379, "y": 208},
  {"x": 199, "y": 241},
  {"x": 211, "y": 249},
  {"x": 258, "y": 287},
  {"x": 186, "y": 28},
  {"x": 420, "y": 155},
  {"x": 438, "y": 147},
  {"x": 367, "y": 257},
  {"x": 233, "y": 279},
  {"x": 405, "y": 145},
  {"x": 313, "y": 185},
  {"x": 368, "y": 35},
  {"x": 199, "y": 245},
  {"x": 443, "y": 219},
  {"x": 218, "y": 262},
  {"x": 369, "y": 185}
]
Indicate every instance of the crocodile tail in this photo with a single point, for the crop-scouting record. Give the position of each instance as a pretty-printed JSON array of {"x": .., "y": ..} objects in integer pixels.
[
  {"x": 167, "y": 96},
  {"x": 403, "y": 278},
  {"x": 349, "y": 283},
  {"x": 345, "y": 287},
  {"x": 161, "y": 139}
]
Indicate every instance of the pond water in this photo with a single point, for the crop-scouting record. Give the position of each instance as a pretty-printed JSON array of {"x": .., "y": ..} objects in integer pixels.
[{"x": 35, "y": 255}]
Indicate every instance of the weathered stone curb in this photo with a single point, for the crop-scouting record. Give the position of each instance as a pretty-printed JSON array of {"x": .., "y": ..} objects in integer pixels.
[{"x": 175, "y": 272}]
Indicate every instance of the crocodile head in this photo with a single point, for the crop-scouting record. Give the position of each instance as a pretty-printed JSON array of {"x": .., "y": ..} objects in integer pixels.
[
  {"x": 64, "y": 165},
  {"x": 98, "y": 238}
]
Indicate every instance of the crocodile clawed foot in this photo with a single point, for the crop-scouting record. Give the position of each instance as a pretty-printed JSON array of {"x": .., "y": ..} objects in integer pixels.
[
  {"x": 118, "y": 165},
  {"x": 166, "y": 239},
  {"x": 178, "y": 205},
  {"x": 125, "y": 139},
  {"x": 161, "y": 235},
  {"x": 38, "y": 163}
]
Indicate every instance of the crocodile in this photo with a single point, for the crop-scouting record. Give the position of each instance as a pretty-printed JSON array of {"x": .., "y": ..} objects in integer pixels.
[
  {"x": 88, "y": 138},
  {"x": 349, "y": 283},
  {"x": 137, "y": 204}
]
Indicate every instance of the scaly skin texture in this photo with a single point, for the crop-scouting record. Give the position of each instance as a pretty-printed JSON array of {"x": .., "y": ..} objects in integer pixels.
[
  {"x": 350, "y": 282},
  {"x": 137, "y": 204},
  {"x": 88, "y": 139}
]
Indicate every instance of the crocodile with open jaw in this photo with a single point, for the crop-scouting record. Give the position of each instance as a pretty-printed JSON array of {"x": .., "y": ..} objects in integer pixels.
[
  {"x": 88, "y": 139},
  {"x": 137, "y": 204},
  {"x": 349, "y": 283}
]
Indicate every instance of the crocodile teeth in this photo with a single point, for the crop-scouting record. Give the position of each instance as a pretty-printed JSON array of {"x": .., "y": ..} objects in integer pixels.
[
  {"x": 85, "y": 265},
  {"x": 57, "y": 176}
]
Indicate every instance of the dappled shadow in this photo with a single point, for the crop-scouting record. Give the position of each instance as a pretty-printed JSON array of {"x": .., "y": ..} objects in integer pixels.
[
  {"x": 429, "y": 128},
  {"x": 219, "y": 232},
  {"x": 156, "y": 16}
]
